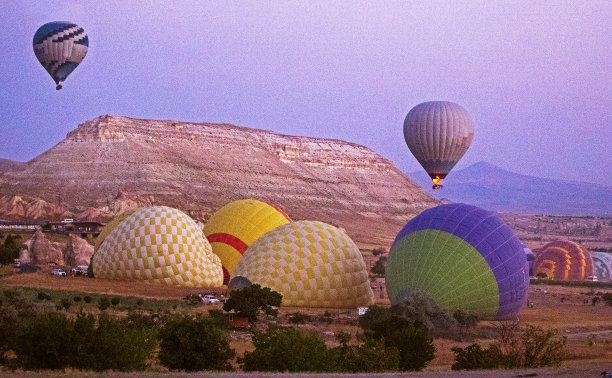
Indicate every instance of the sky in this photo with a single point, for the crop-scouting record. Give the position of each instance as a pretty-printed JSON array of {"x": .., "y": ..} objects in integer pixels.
[{"x": 536, "y": 76}]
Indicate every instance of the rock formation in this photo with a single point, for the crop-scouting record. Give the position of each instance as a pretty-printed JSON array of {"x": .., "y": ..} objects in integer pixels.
[
  {"x": 77, "y": 251},
  {"x": 109, "y": 161},
  {"x": 39, "y": 250}
]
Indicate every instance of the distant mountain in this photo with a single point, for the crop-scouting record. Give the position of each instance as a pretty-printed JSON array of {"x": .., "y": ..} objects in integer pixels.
[
  {"x": 9, "y": 165},
  {"x": 488, "y": 186}
]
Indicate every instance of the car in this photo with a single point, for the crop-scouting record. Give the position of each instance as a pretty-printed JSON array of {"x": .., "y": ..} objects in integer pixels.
[
  {"x": 208, "y": 298},
  {"x": 58, "y": 272},
  {"x": 81, "y": 269},
  {"x": 592, "y": 278}
]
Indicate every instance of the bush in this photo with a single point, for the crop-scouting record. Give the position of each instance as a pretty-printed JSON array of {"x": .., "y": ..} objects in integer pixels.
[
  {"x": 139, "y": 302},
  {"x": 65, "y": 302},
  {"x": 119, "y": 345},
  {"x": 43, "y": 296},
  {"x": 607, "y": 297},
  {"x": 411, "y": 339},
  {"x": 474, "y": 357},
  {"x": 249, "y": 301},
  {"x": 103, "y": 303},
  {"x": 77, "y": 298},
  {"x": 465, "y": 319},
  {"x": 371, "y": 356},
  {"x": 420, "y": 307},
  {"x": 115, "y": 301},
  {"x": 87, "y": 299},
  {"x": 298, "y": 318},
  {"x": 287, "y": 350},
  {"x": 194, "y": 344},
  {"x": 378, "y": 269},
  {"x": 535, "y": 347},
  {"x": 44, "y": 342},
  {"x": 57, "y": 342}
]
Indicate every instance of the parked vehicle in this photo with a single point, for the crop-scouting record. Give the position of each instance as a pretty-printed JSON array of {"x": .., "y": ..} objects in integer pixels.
[
  {"x": 16, "y": 263},
  {"x": 592, "y": 278},
  {"x": 209, "y": 298},
  {"x": 80, "y": 269},
  {"x": 58, "y": 272}
]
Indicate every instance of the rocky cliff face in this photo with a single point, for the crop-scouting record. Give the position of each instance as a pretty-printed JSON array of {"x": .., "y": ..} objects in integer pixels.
[{"x": 112, "y": 162}]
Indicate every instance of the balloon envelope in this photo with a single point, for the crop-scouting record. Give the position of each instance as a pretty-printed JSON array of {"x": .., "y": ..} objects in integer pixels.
[
  {"x": 235, "y": 226},
  {"x": 158, "y": 244},
  {"x": 563, "y": 260},
  {"x": 438, "y": 133},
  {"x": 312, "y": 264},
  {"x": 60, "y": 47},
  {"x": 464, "y": 258}
]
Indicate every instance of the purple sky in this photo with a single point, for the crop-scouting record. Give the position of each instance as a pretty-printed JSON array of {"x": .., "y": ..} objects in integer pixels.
[{"x": 536, "y": 76}]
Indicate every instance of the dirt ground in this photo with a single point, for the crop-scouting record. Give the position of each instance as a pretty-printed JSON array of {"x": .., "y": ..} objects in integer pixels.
[{"x": 587, "y": 327}]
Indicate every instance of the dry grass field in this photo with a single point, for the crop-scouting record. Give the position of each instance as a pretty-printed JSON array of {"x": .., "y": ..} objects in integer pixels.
[{"x": 587, "y": 327}]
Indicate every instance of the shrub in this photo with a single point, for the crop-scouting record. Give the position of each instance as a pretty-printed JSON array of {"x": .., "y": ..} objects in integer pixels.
[
  {"x": 607, "y": 297},
  {"x": 249, "y": 301},
  {"x": 328, "y": 317},
  {"x": 103, "y": 303},
  {"x": 465, "y": 319},
  {"x": 115, "y": 301},
  {"x": 473, "y": 357},
  {"x": 87, "y": 299},
  {"x": 298, "y": 318},
  {"x": 65, "y": 302},
  {"x": 287, "y": 350},
  {"x": 420, "y": 307},
  {"x": 57, "y": 342},
  {"x": 378, "y": 269},
  {"x": 371, "y": 356},
  {"x": 194, "y": 344},
  {"x": 44, "y": 342},
  {"x": 535, "y": 347},
  {"x": 139, "y": 302},
  {"x": 77, "y": 298},
  {"x": 43, "y": 296},
  {"x": 412, "y": 340},
  {"x": 119, "y": 345}
]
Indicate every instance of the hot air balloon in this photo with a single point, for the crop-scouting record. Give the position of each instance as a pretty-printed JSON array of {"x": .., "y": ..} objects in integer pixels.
[
  {"x": 235, "y": 226},
  {"x": 464, "y": 258},
  {"x": 311, "y": 263},
  {"x": 60, "y": 47},
  {"x": 563, "y": 260},
  {"x": 602, "y": 266},
  {"x": 158, "y": 244},
  {"x": 438, "y": 133}
]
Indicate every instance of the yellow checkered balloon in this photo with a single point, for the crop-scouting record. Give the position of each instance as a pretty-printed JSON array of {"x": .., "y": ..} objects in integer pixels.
[
  {"x": 158, "y": 244},
  {"x": 312, "y": 264}
]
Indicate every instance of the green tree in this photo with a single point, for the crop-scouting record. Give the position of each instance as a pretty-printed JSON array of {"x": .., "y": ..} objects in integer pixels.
[
  {"x": 287, "y": 350},
  {"x": 473, "y": 357},
  {"x": 534, "y": 347},
  {"x": 378, "y": 269},
  {"x": 419, "y": 307},
  {"x": 194, "y": 344},
  {"x": 118, "y": 344},
  {"x": 45, "y": 342},
  {"x": 411, "y": 339},
  {"x": 9, "y": 250},
  {"x": 249, "y": 301},
  {"x": 371, "y": 356}
]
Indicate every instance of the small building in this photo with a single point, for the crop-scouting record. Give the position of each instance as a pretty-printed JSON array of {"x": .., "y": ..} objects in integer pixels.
[
  {"x": 236, "y": 321},
  {"x": 84, "y": 228}
]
